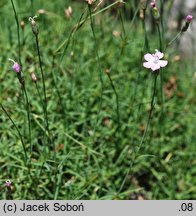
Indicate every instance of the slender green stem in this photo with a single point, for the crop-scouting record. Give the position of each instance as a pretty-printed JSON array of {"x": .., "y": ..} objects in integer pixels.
[
  {"x": 162, "y": 17},
  {"x": 174, "y": 39},
  {"x": 18, "y": 131},
  {"x": 160, "y": 38},
  {"x": 32, "y": 7},
  {"x": 99, "y": 65},
  {"x": 42, "y": 102},
  {"x": 144, "y": 134},
  {"x": 146, "y": 42},
  {"x": 63, "y": 106},
  {"x": 161, "y": 74},
  {"x": 161, "y": 90},
  {"x": 117, "y": 99},
  {"x": 18, "y": 33},
  {"x": 28, "y": 117},
  {"x": 43, "y": 84},
  {"x": 39, "y": 95},
  {"x": 122, "y": 24}
]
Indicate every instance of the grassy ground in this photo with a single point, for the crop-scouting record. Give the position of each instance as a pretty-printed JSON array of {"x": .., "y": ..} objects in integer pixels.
[{"x": 99, "y": 98}]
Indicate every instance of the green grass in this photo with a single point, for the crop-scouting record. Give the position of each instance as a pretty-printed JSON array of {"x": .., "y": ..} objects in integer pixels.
[{"x": 92, "y": 151}]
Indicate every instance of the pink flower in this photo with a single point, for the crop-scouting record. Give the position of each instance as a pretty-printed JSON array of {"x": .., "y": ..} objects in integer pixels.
[
  {"x": 16, "y": 66},
  {"x": 189, "y": 18},
  {"x": 33, "y": 77},
  {"x": 8, "y": 183},
  {"x": 69, "y": 12},
  {"x": 153, "y": 61},
  {"x": 153, "y": 3},
  {"x": 90, "y": 1}
]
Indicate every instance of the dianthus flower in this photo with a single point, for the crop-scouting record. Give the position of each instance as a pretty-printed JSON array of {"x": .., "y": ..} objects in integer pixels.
[
  {"x": 16, "y": 66},
  {"x": 153, "y": 61}
]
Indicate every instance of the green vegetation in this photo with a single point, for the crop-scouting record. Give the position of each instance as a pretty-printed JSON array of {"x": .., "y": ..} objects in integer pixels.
[{"x": 98, "y": 102}]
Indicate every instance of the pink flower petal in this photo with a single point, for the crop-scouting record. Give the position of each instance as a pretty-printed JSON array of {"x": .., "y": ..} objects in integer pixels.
[
  {"x": 148, "y": 57},
  {"x": 155, "y": 67},
  {"x": 159, "y": 54},
  {"x": 162, "y": 63},
  {"x": 147, "y": 64}
]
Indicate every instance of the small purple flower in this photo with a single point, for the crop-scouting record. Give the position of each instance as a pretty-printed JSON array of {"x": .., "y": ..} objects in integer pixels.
[
  {"x": 153, "y": 61},
  {"x": 189, "y": 18},
  {"x": 8, "y": 183},
  {"x": 16, "y": 66}
]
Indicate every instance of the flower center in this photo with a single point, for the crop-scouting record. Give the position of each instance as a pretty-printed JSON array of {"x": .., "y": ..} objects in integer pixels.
[{"x": 156, "y": 58}]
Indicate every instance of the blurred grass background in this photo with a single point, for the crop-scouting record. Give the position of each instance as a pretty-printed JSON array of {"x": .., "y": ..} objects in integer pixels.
[{"x": 88, "y": 164}]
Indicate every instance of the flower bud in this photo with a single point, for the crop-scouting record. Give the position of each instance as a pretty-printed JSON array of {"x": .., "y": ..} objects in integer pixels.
[
  {"x": 34, "y": 78},
  {"x": 189, "y": 18},
  {"x": 34, "y": 25},
  {"x": 8, "y": 183},
  {"x": 155, "y": 13},
  {"x": 90, "y": 2},
  {"x": 187, "y": 23},
  {"x": 153, "y": 4},
  {"x": 22, "y": 24},
  {"x": 16, "y": 66},
  {"x": 142, "y": 9},
  {"x": 68, "y": 12}
]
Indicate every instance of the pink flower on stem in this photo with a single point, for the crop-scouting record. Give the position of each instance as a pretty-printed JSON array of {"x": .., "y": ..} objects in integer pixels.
[
  {"x": 16, "y": 66},
  {"x": 33, "y": 77},
  {"x": 153, "y": 61},
  {"x": 153, "y": 3},
  {"x": 8, "y": 183},
  {"x": 189, "y": 18},
  {"x": 90, "y": 2}
]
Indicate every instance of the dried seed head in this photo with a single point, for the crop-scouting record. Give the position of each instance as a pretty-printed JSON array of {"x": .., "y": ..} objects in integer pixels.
[{"x": 34, "y": 25}]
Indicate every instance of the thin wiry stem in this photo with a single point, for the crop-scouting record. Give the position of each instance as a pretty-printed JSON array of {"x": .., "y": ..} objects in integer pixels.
[
  {"x": 117, "y": 99},
  {"x": 144, "y": 134},
  {"x": 174, "y": 39},
  {"x": 161, "y": 74},
  {"x": 28, "y": 117},
  {"x": 161, "y": 85},
  {"x": 32, "y": 7},
  {"x": 18, "y": 33},
  {"x": 42, "y": 102},
  {"x": 20, "y": 62},
  {"x": 61, "y": 102},
  {"x": 99, "y": 64},
  {"x": 43, "y": 84}
]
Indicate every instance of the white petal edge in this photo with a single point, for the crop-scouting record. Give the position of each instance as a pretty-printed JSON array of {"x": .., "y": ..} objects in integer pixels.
[
  {"x": 155, "y": 67},
  {"x": 162, "y": 63},
  {"x": 159, "y": 54},
  {"x": 148, "y": 57},
  {"x": 147, "y": 64}
]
